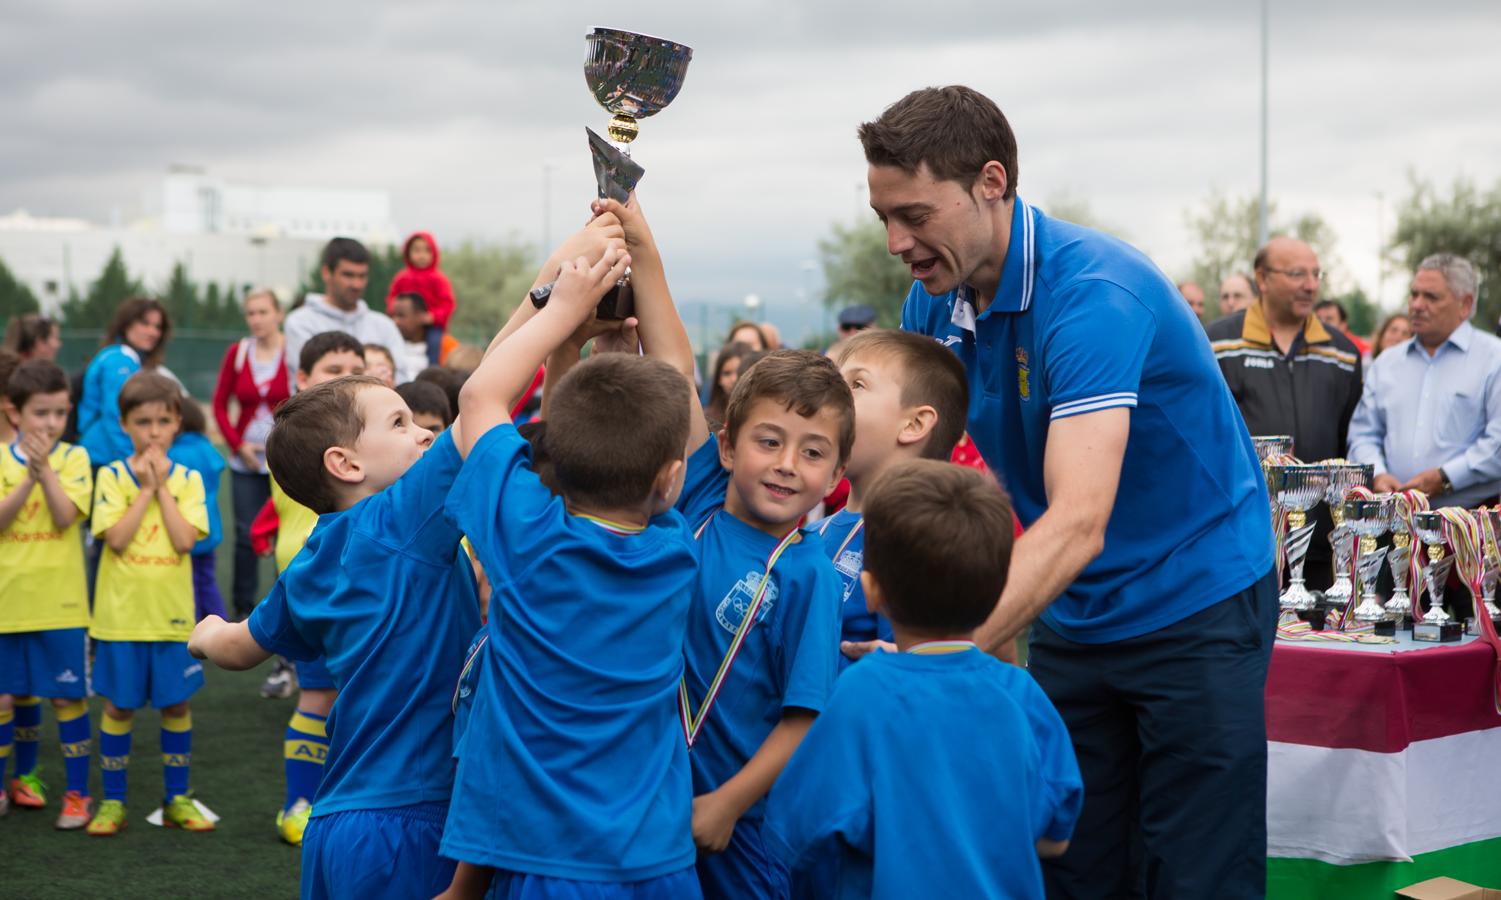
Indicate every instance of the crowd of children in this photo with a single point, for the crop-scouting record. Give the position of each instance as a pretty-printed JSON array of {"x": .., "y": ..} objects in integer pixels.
[{"x": 606, "y": 652}]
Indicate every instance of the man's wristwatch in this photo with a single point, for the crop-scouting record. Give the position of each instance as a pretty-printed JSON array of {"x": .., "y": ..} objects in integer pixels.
[{"x": 1445, "y": 486}]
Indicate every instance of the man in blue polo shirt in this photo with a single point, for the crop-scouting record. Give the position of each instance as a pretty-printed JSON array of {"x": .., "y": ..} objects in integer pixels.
[{"x": 1147, "y": 561}]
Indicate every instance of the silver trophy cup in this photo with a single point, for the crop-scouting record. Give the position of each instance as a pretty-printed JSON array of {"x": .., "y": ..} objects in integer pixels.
[
  {"x": 1298, "y": 489},
  {"x": 1399, "y": 559},
  {"x": 1268, "y": 445},
  {"x": 1369, "y": 519},
  {"x": 1342, "y": 477},
  {"x": 1429, "y": 527}
]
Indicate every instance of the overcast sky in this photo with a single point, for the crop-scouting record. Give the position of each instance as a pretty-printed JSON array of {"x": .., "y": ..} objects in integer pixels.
[{"x": 1138, "y": 109}]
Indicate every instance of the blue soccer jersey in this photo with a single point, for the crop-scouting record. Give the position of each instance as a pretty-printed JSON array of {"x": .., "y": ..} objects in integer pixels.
[
  {"x": 952, "y": 765},
  {"x": 1082, "y": 322},
  {"x": 573, "y": 763},
  {"x": 790, "y": 655},
  {"x": 383, "y": 590},
  {"x": 843, "y": 536}
]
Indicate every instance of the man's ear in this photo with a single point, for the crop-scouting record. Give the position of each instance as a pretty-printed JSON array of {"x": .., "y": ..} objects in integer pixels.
[
  {"x": 992, "y": 181},
  {"x": 875, "y": 601},
  {"x": 344, "y": 464},
  {"x": 301, "y": 380},
  {"x": 921, "y": 421},
  {"x": 726, "y": 450}
]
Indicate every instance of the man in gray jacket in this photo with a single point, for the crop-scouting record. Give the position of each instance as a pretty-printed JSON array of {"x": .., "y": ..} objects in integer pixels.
[{"x": 345, "y": 270}]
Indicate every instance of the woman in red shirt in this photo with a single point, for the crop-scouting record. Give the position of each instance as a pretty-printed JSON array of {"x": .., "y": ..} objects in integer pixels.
[{"x": 254, "y": 376}]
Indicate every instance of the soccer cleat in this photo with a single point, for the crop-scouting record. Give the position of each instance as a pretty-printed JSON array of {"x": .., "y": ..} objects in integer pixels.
[
  {"x": 181, "y": 812},
  {"x": 291, "y": 823},
  {"x": 108, "y": 821},
  {"x": 279, "y": 684},
  {"x": 76, "y": 811},
  {"x": 28, "y": 791}
]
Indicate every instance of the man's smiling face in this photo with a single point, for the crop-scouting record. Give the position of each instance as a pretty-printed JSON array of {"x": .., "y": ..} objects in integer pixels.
[{"x": 937, "y": 226}]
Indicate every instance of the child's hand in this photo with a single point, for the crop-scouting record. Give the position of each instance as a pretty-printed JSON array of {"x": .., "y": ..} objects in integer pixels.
[
  {"x": 161, "y": 467},
  {"x": 580, "y": 286},
  {"x": 34, "y": 446},
  {"x": 713, "y": 822},
  {"x": 201, "y": 633},
  {"x": 247, "y": 454},
  {"x": 857, "y": 649},
  {"x": 592, "y": 240},
  {"x": 596, "y": 328},
  {"x": 620, "y": 338},
  {"x": 628, "y": 214},
  {"x": 145, "y": 471}
]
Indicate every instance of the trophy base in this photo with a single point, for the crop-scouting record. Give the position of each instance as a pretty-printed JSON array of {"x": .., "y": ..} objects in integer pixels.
[
  {"x": 1385, "y": 629},
  {"x": 1437, "y": 632},
  {"x": 1472, "y": 625}
]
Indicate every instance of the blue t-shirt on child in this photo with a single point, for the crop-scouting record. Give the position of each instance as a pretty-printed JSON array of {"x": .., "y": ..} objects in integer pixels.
[
  {"x": 384, "y": 591},
  {"x": 844, "y": 540},
  {"x": 195, "y": 451},
  {"x": 956, "y": 760},
  {"x": 573, "y": 763},
  {"x": 789, "y": 658}
]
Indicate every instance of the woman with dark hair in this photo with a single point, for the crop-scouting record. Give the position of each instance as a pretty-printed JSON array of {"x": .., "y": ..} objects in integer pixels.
[
  {"x": 136, "y": 338},
  {"x": 728, "y": 367},
  {"x": 33, "y": 336},
  {"x": 748, "y": 333}
]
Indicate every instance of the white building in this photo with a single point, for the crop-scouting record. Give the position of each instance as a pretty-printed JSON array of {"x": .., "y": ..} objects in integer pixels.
[{"x": 194, "y": 202}]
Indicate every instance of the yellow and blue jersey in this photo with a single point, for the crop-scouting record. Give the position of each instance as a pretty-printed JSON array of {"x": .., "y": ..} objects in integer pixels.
[
  {"x": 42, "y": 576},
  {"x": 145, "y": 593},
  {"x": 294, "y": 523}
]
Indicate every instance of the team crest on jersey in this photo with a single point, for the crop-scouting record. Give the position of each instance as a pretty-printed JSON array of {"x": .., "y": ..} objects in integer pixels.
[
  {"x": 1023, "y": 374},
  {"x": 848, "y": 565},
  {"x": 732, "y": 608}
]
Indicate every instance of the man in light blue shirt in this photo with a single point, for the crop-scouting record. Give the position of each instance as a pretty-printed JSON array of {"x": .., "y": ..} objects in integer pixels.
[{"x": 1430, "y": 415}]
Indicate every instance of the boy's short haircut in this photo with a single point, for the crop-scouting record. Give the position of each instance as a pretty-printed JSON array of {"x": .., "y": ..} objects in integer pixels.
[
  {"x": 324, "y": 343},
  {"x": 323, "y": 416},
  {"x": 938, "y": 542},
  {"x": 418, "y": 302},
  {"x": 382, "y": 350},
  {"x": 931, "y": 375},
  {"x": 426, "y": 397},
  {"x": 804, "y": 381},
  {"x": 149, "y": 387},
  {"x": 613, "y": 423},
  {"x": 343, "y": 249},
  {"x": 450, "y": 380},
  {"x": 35, "y": 376}
]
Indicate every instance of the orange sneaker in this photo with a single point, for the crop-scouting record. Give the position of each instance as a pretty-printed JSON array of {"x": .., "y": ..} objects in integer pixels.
[
  {"x": 28, "y": 791},
  {"x": 78, "y": 809}
]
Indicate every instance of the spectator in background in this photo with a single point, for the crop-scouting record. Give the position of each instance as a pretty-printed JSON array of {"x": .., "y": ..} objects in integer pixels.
[
  {"x": 852, "y": 320},
  {"x": 1430, "y": 416},
  {"x": 1236, "y": 293},
  {"x": 728, "y": 366},
  {"x": 1288, "y": 373},
  {"x": 136, "y": 338},
  {"x": 423, "y": 278},
  {"x": 773, "y": 336},
  {"x": 747, "y": 333},
  {"x": 254, "y": 377},
  {"x": 1333, "y": 314},
  {"x": 1195, "y": 297},
  {"x": 345, "y": 271},
  {"x": 9, "y": 361},
  {"x": 380, "y": 364},
  {"x": 33, "y": 336},
  {"x": 1396, "y": 329},
  {"x": 193, "y": 449},
  {"x": 409, "y": 312}
]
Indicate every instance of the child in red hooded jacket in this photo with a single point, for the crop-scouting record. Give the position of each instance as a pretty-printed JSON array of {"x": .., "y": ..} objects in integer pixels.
[{"x": 421, "y": 276}]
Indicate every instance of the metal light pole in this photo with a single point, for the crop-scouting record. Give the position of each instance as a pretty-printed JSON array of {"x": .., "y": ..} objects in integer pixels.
[{"x": 1262, "y": 230}]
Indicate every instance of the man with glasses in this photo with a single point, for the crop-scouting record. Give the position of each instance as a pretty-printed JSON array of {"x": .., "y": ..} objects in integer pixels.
[{"x": 1288, "y": 372}]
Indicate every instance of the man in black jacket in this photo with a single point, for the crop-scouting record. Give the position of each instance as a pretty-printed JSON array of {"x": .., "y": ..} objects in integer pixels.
[{"x": 1290, "y": 374}]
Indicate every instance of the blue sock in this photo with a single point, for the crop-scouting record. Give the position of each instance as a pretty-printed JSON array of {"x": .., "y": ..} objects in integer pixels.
[
  {"x": 177, "y": 751},
  {"x": 7, "y": 738},
  {"x": 305, "y": 747},
  {"x": 28, "y": 733},
  {"x": 114, "y": 755},
  {"x": 73, "y": 733}
]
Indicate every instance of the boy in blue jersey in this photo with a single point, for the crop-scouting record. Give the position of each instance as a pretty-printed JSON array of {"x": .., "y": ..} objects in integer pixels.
[
  {"x": 911, "y": 398},
  {"x": 573, "y": 775},
  {"x": 938, "y": 771},
  {"x": 193, "y": 449},
  {"x": 382, "y": 591}
]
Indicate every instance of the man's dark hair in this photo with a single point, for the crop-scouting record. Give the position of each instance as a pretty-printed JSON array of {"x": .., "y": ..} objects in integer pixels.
[
  {"x": 612, "y": 424},
  {"x": 1344, "y": 317},
  {"x": 323, "y": 416},
  {"x": 954, "y": 129},
  {"x": 324, "y": 343},
  {"x": 130, "y": 311},
  {"x": 938, "y": 542},
  {"x": 35, "y": 376},
  {"x": 804, "y": 382},
  {"x": 426, "y": 397},
  {"x": 146, "y": 387},
  {"x": 414, "y": 298},
  {"x": 343, "y": 249},
  {"x": 450, "y": 380},
  {"x": 931, "y": 375}
]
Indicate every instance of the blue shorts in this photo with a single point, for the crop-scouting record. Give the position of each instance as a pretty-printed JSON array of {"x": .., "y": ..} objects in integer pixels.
[
  {"x": 525, "y": 886},
  {"x": 746, "y": 868},
  {"x": 313, "y": 675},
  {"x": 133, "y": 674},
  {"x": 376, "y": 853},
  {"x": 44, "y": 663}
]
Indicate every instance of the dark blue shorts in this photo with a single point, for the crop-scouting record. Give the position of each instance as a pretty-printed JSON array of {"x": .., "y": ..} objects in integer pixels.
[
  {"x": 369, "y": 853},
  {"x": 133, "y": 674},
  {"x": 746, "y": 868},
  {"x": 314, "y": 675},
  {"x": 523, "y": 886},
  {"x": 44, "y": 663}
]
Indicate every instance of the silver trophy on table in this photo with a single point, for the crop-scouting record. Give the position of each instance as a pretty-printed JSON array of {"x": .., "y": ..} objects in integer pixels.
[
  {"x": 1298, "y": 489},
  {"x": 1437, "y": 625},
  {"x": 1269, "y": 445},
  {"x": 1342, "y": 477},
  {"x": 1369, "y": 519},
  {"x": 1399, "y": 559}
]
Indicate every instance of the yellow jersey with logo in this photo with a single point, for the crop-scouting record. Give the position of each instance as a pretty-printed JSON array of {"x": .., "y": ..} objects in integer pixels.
[
  {"x": 145, "y": 593},
  {"x": 295, "y": 523},
  {"x": 42, "y": 581}
]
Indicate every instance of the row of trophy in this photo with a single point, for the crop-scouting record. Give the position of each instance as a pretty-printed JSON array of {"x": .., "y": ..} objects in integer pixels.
[{"x": 1415, "y": 556}]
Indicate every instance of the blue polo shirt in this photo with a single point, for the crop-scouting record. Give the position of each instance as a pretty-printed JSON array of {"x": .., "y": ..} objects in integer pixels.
[
  {"x": 1083, "y": 322},
  {"x": 844, "y": 542}
]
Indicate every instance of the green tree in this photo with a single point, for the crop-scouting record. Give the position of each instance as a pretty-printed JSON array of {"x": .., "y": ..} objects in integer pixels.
[
  {"x": 96, "y": 308},
  {"x": 1070, "y": 207},
  {"x": 489, "y": 280},
  {"x": 184, "y": 307},
  {"x": 1225, "y": 232},
  {"x": 1465, "y": 220},
  {"x": 16, "y": 298},
  {"x": 857, "y": 269}
]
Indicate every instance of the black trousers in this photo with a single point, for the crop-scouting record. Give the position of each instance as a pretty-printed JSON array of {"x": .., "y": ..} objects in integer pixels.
[
  {"x": 251, "y": 491},
  {"x": 1170, "y": 732}
]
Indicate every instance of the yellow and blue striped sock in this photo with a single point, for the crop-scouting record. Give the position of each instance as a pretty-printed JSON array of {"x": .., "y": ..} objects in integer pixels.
[
  {"x": 73, "y": 733},
  {"x": 7, "y": 738},
  {"x": 177, "y": 751},
  {"x": 28, "y": 733},
  {"x": 114, "y": 755},
  {"x": 305, "y": 747}
]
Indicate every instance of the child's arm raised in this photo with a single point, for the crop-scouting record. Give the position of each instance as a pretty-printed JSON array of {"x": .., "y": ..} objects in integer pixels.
[
  {"x": 715, "y": 813},
  {"x": 485, "y": 399},
  {"x": 227, "y": 645}
]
